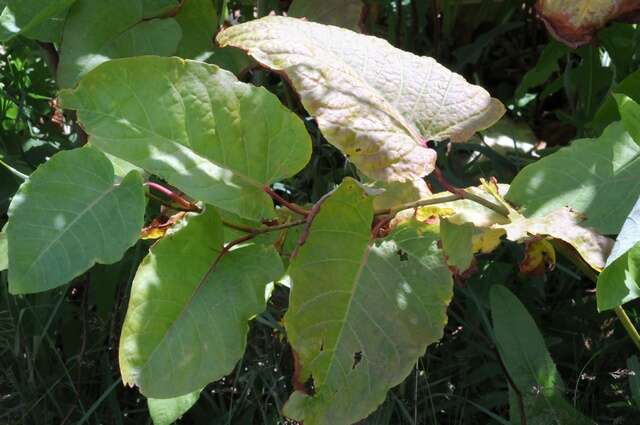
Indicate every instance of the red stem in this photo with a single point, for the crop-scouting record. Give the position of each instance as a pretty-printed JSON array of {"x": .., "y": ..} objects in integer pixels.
[
  {"x": 290, "y": 206},
  {"x": 173, "y": 196}
]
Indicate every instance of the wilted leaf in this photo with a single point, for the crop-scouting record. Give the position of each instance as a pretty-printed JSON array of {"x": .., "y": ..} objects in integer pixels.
[
  {"x": 590, "y": 176},
  {"x": 92, "y": 35},
  {"x": 361, "y": 312},
  {"x": 69, "y": 215},
  {"x": 525, "y": 356},
  {"x": 167, "y": 411},
  {"x": 188, "y": 314},
  {"x": 619, "y": 283},
  {"x": 196, "y": 126},
  {"x": 342, "y": 13},
  {"x": 566, "y": 225},
  {"x": 575, "y": 22},
  {"x": 376, "y": 103},
  {"x": 25, "y": 16},
  {"x": 538, "y": 257},
  {"x": 160, "y": 226}
]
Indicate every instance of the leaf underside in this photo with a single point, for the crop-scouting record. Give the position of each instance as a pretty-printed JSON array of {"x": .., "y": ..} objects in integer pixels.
[{"x": 378, "y": 104}]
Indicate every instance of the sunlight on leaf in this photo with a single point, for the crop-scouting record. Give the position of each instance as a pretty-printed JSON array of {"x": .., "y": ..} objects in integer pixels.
[
  {"x": 196, "y": 126},
  {"x": 167, "y": 411},
  {"x": 69, "y": 215},
  {"x": 188, "y": 314},
  {"x": 388, "y": 302},
  {"x": 378, "y": 104}
]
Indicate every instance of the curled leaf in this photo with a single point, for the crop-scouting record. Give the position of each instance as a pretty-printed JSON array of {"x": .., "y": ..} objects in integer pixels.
[{"x": 575, "y": 22}]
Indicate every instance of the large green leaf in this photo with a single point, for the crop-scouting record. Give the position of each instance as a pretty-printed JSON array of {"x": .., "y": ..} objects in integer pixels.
[
  {"x": 343, "y": 13},
  {"x": 69, "y": 215},
  {"x": 165, "y": 411},
  {"x": 620, "y": 280},
  {"x": 97, "y": 31},
  {"x": 529, "y": 364},
  {"x": 25, "y": 16},
  {"x": 187, "y": 319},
  {"x": 378, "y": 104},
  {"x": 361, "y": 313},
  {"x": 217, "y": 139},
  {"x": 595, "y": 177},
  {"x": 608, "y": 111}
]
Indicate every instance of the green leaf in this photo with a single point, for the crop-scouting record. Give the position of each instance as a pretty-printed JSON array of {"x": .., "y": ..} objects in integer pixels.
[
  {"x": 634, "y": 379},
  {"x": 457, "y": 243},
  {"x": 342, "y": 13},
  {"x": 529, "y": 364},
  {"x": 199, "y": 21},
  {"x": 69, "y": 215},
  {"x": 168, "y": 410},
  {"x": 619, "y": 282},
  {"x": 595, "y": 177},
  {"x": 608, "y": 111},
  {"x": 217, "y": 139},
  {"x": 4, "y": 255},
  {"x": 630, "y": 113},
  {"x": 97, "y": 31},
  {"x": 25, "y": 16},
  {"x": 361, "y": 312},
  {"x": 378, "y": 104},
  {"x": 187, "y": 320}
]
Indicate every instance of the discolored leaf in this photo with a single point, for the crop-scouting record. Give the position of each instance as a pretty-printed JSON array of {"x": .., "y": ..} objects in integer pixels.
[
  {"x": 566, "y": 225},
  {"x": 342, "y": 13},
  {"x": 91, "y": 35},
  {"x": 26, "y": 16},
  {"x": 530, "y": 367},
  {"x": 217, "y": 139},
  {"x": 187, "y": 312},
  {"x": 376, "y": 103},
  {"x": 575, "y": 22},
  {"x": 69, "y": 215},
  {"x": 167, "y": 411},
  {"x": 619, "y": 283},
  {"x": 590, "y": 176},
  {"x": 361, "y": 312}
]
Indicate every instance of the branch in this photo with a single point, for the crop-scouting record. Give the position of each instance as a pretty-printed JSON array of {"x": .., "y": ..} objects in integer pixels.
[
  {"x": 466, "y": 194},
  {"x": 178, "y": 199},
  {"x": 290, "y": 206}
]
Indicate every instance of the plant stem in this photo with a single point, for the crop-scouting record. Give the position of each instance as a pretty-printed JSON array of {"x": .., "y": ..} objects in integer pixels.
[
  {"x": 465, "y": 194},
  {"x": 421, "y": 203},
  {"x": 628, "y": 325},
  {"x": 290, "y": 206},
  {"x": 173, "y": 196}
]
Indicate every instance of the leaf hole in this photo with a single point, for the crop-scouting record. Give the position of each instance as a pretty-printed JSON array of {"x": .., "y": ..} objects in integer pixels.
[
  {"x": 357, "y": 357},
  {"x": 310, "y": 386},
  {"x": 403, "y": 255}
]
